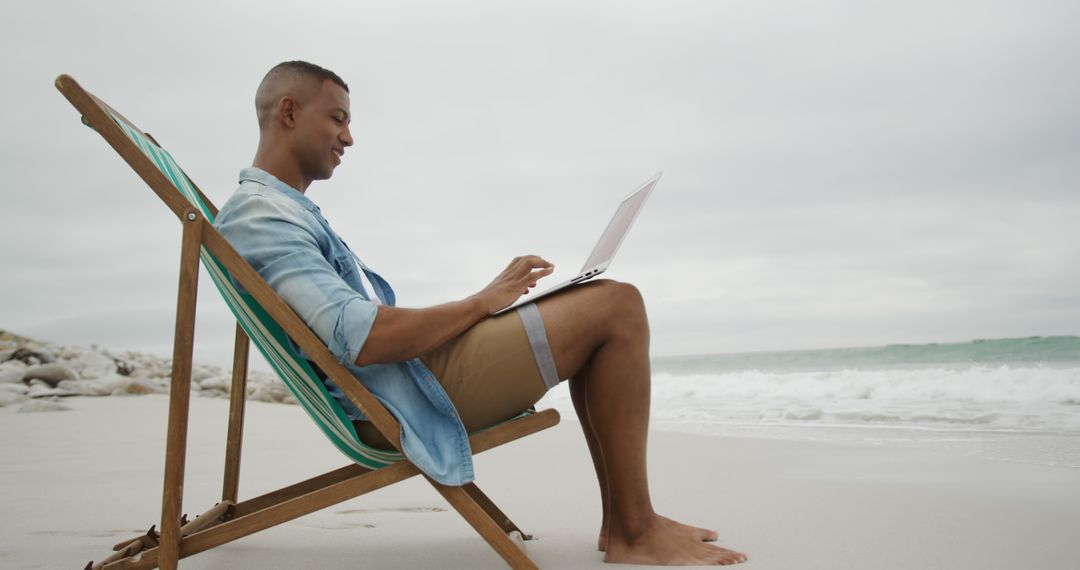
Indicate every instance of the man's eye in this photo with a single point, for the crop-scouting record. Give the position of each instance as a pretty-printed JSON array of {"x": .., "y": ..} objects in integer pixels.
[{"x": 338, "y": 120}]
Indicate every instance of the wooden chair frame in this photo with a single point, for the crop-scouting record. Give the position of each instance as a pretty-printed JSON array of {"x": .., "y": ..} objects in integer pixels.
[{"x": 231, "y": 519}]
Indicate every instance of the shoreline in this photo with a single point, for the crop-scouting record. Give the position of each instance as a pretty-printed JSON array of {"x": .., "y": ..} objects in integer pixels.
[{"x": 79, "y": 481}]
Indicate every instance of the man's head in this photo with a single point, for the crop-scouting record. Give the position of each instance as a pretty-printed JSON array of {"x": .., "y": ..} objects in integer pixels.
[{"x": 303, "y": 113}]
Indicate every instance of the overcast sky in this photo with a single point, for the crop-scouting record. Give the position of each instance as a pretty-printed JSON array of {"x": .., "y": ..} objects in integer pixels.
[{"x": 836, "y": 173}]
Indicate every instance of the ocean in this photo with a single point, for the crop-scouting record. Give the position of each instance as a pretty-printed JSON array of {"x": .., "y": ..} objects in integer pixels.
[{"x": 1012, "y": 399}]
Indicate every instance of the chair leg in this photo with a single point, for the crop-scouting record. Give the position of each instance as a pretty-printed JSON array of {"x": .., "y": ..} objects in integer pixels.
[
  {"x": 493, "y": 511},
  {"x": 234, "y": 439},
  {"x": 489, "y": 530},
  {"x": 180, "y": 392}
]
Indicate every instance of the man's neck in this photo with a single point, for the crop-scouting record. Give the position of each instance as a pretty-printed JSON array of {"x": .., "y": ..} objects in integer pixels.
[{"x": 284, "y": 170}]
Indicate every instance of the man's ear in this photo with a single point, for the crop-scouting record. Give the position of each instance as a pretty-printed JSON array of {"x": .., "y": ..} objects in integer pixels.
[{"x": 286, "y": 111}]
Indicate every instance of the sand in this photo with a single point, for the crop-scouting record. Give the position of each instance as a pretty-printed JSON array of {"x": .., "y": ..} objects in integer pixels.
[{"x": 74, "y": 482}]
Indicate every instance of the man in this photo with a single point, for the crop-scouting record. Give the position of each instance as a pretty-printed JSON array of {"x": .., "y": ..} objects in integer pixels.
[{"x": 453, "y": 368}]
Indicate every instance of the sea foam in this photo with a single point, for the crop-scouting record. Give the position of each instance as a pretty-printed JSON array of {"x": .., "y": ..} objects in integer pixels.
[{"x": 1003, "y": 397}]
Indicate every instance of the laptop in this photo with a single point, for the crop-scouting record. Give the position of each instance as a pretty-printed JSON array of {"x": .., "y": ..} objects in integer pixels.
[{"x": 609, "y": 243}]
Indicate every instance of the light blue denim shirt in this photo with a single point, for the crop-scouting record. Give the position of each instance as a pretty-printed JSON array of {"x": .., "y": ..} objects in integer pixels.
[{"x": 283, "y": 235}]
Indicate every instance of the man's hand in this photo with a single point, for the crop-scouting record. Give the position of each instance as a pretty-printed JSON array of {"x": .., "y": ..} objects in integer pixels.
[
  {"x": 399, "y": 334},
  {"x": 514, "y": 281}
]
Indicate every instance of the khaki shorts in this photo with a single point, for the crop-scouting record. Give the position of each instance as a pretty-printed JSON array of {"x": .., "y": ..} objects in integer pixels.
[{"x": 490, "y": 371}]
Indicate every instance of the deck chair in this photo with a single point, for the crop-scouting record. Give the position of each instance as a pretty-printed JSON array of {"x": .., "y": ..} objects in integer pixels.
[{"x": 264, "y": 318}]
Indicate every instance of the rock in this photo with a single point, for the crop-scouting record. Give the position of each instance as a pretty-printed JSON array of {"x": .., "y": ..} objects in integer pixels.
[
  {"x": 52, "y": 373},
  {"x": 68, "y": 352},
  {"x": 18, "y": 388},
  {"x": 201, "y": 372},
  {"x": 11, "y": 375},
  {"x": 220, "y": 383},
  {"x": 96, "y": 387},
  {"x": 123, "y": 367},
  {"x": 140, "y": 386},
  {"x": 256, "y": 377},
  {"x": 71, "y": 385},
  {"x": 38, "y": 371},
  {"x": 213, "y": 394},
  {"x": 8, "y": 397},
  {"x": 148, "y": 368},
  {"x": 33, "y": 353},
  {"x": 42, "y": 406},
  {"x": 90, "y": 364},
  {"x": 267, "y": 393},
  {"x": 40, "y": 391},
  {"x": 13, "y": 365}
]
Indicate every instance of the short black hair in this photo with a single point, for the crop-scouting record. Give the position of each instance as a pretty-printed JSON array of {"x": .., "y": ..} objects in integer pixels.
[{"x": 309, "y": 70}]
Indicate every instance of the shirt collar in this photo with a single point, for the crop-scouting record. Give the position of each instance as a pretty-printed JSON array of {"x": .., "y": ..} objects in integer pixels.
[{"x": 260, "y": 176}]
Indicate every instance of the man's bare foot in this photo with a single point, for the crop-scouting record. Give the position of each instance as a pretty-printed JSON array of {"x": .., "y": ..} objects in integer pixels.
[
  {"x": 702, "y": 534},
  {"x": 661, "y": 544}
]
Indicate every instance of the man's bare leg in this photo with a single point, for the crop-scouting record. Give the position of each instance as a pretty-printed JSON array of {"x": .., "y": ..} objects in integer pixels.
[
  {"x": 579, "y": 398},
  {"x": 600, "y": 329}
]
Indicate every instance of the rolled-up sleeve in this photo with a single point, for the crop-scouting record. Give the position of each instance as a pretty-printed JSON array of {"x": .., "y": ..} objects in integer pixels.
[{"x": 279, "y": 239}]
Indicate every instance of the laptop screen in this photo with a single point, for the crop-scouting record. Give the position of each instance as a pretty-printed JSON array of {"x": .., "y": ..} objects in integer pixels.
[{"x": 618, "y": 226}]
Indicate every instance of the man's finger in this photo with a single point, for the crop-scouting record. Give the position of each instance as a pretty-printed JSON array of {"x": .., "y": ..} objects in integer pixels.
[
  {"x": 526, "y": 270},
  {"x": 535, "y": 275},
  {"x": 532, "y": 261}
]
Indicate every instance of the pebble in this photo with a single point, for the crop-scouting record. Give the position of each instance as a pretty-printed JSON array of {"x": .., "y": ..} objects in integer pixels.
[
  {"x": 19, "y": 388},
  {"x": 11, "y": 375},
  {"x": 97, "y": 387},
  {"x": 34, "y": 353},
  {"x": 220, "y": 382},
  {"x": 267, "y": 393},
  {"x": 39, "y": 391},
  {"x": 91, "y": 364},
  {"x": 199, "y": 373},
  {"x": 8, "y": 397},
  {"x": 52, "y": 373},
  {"x": 141, "y": 386}
]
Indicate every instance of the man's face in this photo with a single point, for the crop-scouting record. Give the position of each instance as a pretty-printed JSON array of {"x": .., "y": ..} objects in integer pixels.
[{"x": 322, "y": 131}]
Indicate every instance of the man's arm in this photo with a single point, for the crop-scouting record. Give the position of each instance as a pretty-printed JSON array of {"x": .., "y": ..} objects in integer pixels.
[{"x": 401, "y": 334}]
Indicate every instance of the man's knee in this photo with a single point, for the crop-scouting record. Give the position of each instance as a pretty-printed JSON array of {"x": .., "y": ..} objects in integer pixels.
[
  {"x": 624, "y": 301},
  {"x": 623, "y": 293},
  {"x": 600, "y": 304}
]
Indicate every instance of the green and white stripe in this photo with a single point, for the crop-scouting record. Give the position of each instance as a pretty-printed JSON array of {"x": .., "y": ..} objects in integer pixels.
[{"x": 270, "y": 339}]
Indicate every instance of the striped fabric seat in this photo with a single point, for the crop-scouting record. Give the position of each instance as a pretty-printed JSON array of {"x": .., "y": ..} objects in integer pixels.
[{"x": 270, "y": 339}]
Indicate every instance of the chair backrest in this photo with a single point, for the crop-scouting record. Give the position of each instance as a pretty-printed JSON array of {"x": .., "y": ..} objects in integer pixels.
[{"x": 263, "y": 330}]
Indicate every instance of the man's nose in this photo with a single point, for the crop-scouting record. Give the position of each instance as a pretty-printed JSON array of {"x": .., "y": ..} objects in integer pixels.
[{"x": 346, "y": 136}]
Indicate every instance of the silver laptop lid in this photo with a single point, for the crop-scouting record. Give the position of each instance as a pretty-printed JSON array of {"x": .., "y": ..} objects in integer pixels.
[{"x": 617, "y": 228}]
